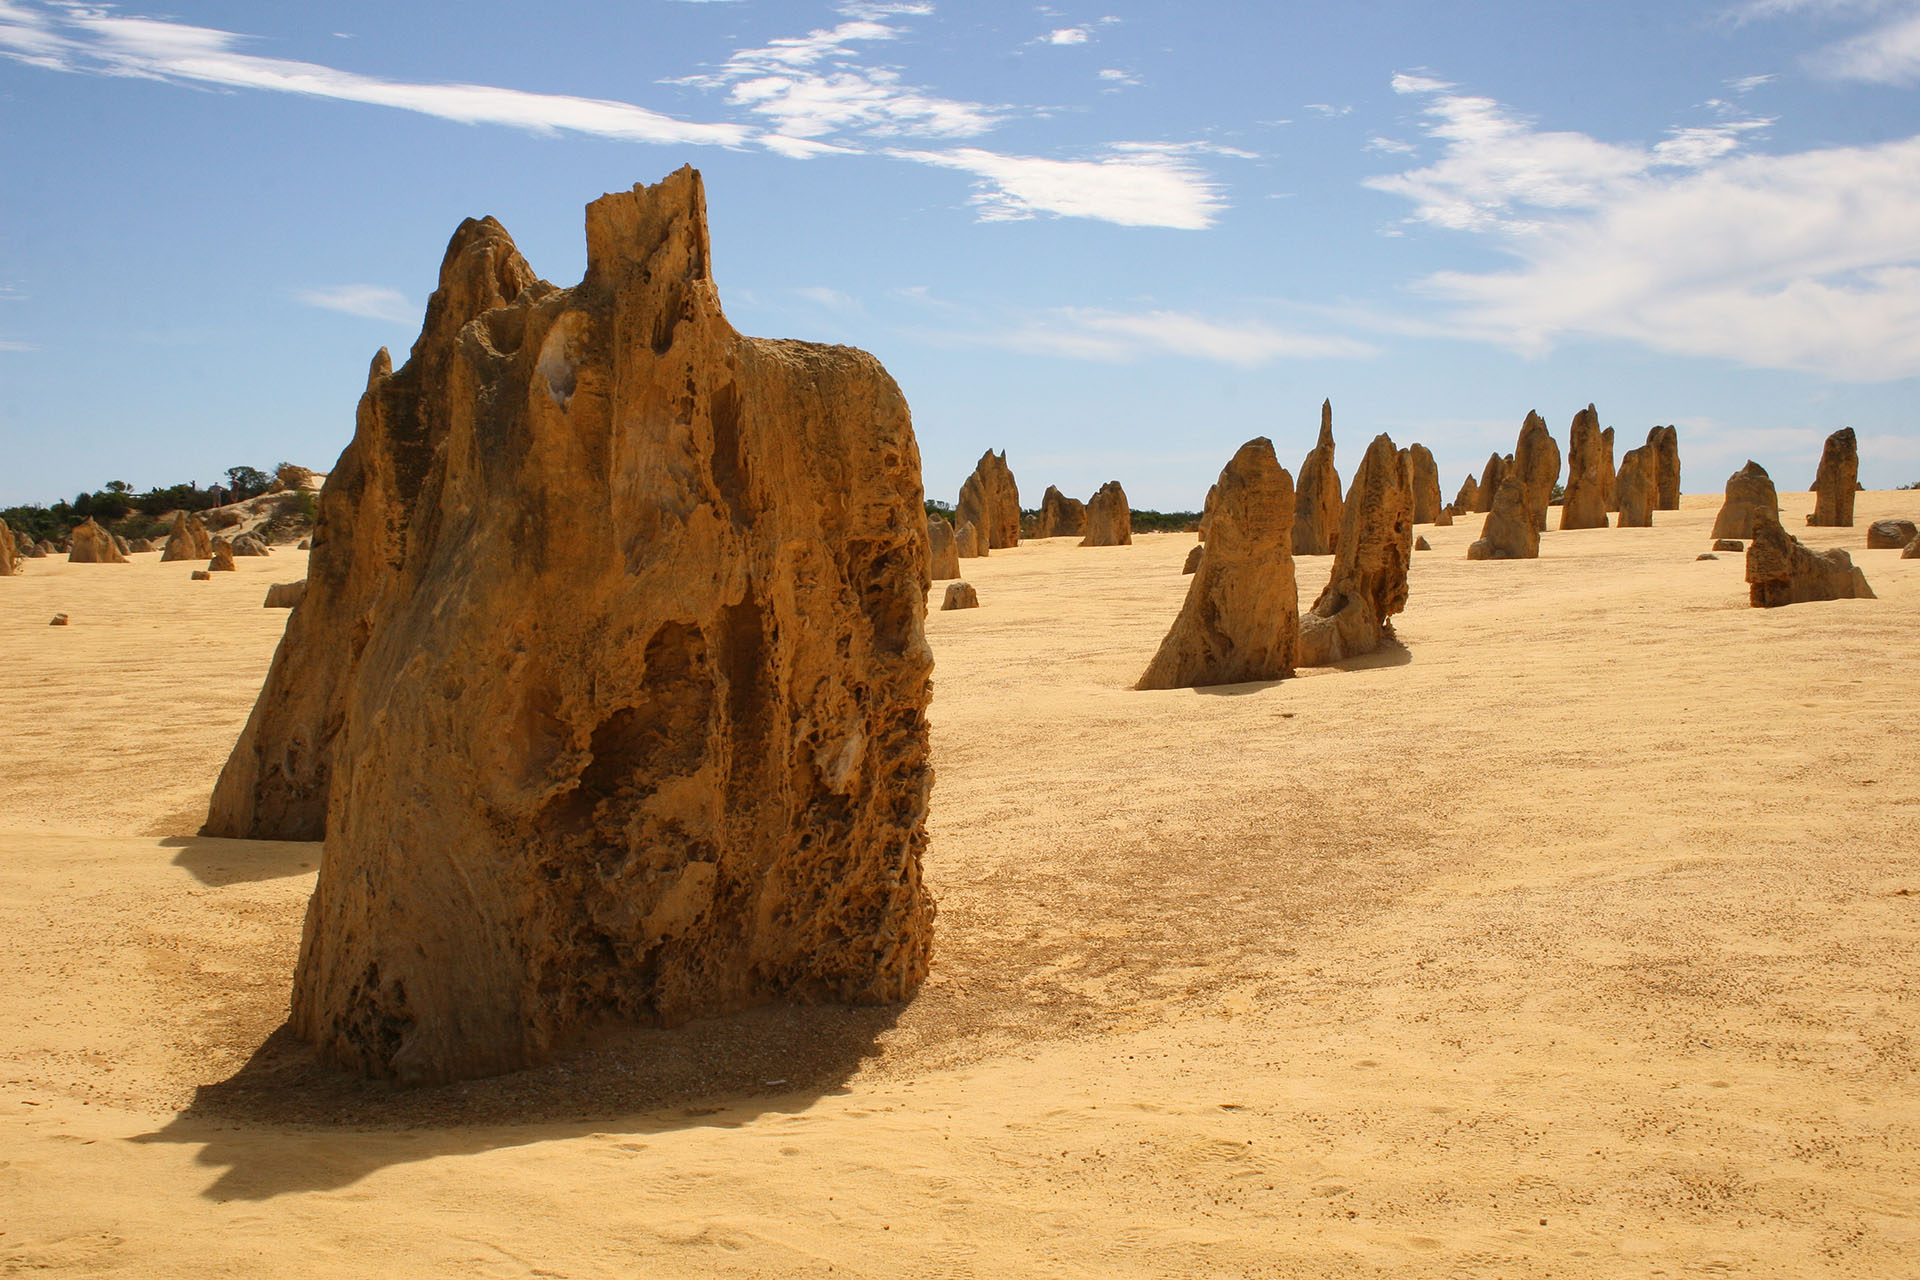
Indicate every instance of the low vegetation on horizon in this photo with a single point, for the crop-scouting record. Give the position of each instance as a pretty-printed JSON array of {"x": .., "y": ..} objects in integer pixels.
[{"x": 139, "y": 515}]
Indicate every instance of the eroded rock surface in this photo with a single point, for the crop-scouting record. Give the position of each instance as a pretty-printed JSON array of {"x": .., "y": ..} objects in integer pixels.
[
  {"x": 1194, "y": 556},
  {"x": 1426, "y": 484},
  {"x": 285, "y": 595},
  {"x": 1609, "y": 475},
  {"x": 1468, "y": 499},
  {"x": 222, "y": 561},
  {"x": 1750, "y": 493},
  {"x": 186, "y": 540},
  {"x": 1884, "y": 534},
  {"x": 943, "y": 552},
  {"x": 1509, "y": 533},
  {"x": 1060, "y": 516},
  {"x": 1636, "y": 488},
  {"x": 1666, "y": 467},
  {"x": 1109, "y": 519},
  {"x": 1590, "y": 474},
  {"x": 613, "y": 657},
  {"x": 1317, "y": 501},
  {"x": 1837, "y": 481},
  {"x": 1783, "y": 570},
  {"x": 1536, "y": 463},
  {"x": 967, "y": 542},
  {"x": 960, "y": 595},
  {"x": 1490, "y": 477},
  {"x": 990, "y": 502},
  {"x": 9, "y": 553},
  {"x": 93, "y": 545},
  {"x": 1368, "y": 584}
]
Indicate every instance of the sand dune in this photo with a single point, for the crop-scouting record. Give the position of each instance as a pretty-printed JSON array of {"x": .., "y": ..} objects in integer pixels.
[{"x": 1573, "y": 937}]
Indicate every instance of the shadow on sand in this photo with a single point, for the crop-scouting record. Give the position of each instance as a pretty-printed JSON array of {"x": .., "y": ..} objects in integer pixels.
[
  {"x": 286, "y": 1123},
  {"x": 1391, "y": 653},
  {"x": 215, "y": 862}
]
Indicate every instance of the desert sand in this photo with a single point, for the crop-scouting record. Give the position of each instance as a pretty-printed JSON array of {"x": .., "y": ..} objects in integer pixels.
[{"x": 1572, "y": 936}]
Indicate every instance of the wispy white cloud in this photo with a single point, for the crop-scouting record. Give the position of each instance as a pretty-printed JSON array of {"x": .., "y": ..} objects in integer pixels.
[
  {"x": 1115, "y": 76},
  {"x": 1886, "y": 52},
  {"x": 830, "y": 298},
  {"x": 1065, "y": 35},
  {"x": 8, "y": 344},
  {"x": 1134, "y": 185},
  {"x": 1390, "y": 146},
  {"x": 1747, "y": 84},
  {"x": 1109, "y": 336},
  {"x": 1808, "y": 260},
  {"x": 368, "y": 301},
  {"x": 1328, "y": 109}
]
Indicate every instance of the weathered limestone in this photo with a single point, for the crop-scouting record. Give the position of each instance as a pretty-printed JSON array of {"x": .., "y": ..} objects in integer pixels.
[
  {"x": 960, "y": 595},
  {"x": 1749, "y": 493},
  {"x": 1421, "y": 544},
  {"x": 1666, "y": 467},
  {"x": 1837, "y": 481},
  {"x": 614, "y": 678},
  {"x": 285, "y": 595},
  {"x": 1635, "y": 487},
  {"x": 201, "y": 575},
  {"x": 1536, "y": 461},
  {"x": 1194, "y": 556},
  {"x": 1241, "y": 617},
  {"x": 1609, "y": 476},
  {"x": 1317, "y": 502},
  {"x": 943, "y": 551},
  {"x": 967, "y": 543},
  {"x": 93, "y": 545},
  {"x": 1496, "y": 470},
  {"x": 1109, "y": 519},
  {"x": 1783, "y": 570},
  {"x": 249, "y": 544},
  {"x": 1509, "y": 533},
  {"x": 1912, "y": 550},
  {"x": 1590, "y": 474},
  {"x": 1886, "y": 534},
  {"x": 140, "y": 546},
  {"x": 1426, "y": 484},
  {"x": 1368, "y": 584},
  {"x": 1468, "y": 499},
  {"x": 9, "y": 558},
  {"x": 187, "y": 540},
  {"x": 1444, "y": 518},
  {"x": 990, "y": 502},
  {"x": 41, "y": 549},
  {"x": 1206, "y": 510},
  {"x": 222, "y": 561},
  {"x": 1060, "y": 516},
  {"x": 1729, "y": 544}
]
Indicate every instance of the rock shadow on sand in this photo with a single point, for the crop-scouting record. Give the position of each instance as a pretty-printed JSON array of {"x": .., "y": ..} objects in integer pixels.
[
  {"x": 1391, "y": 653},
  {"x": 287, "y": 1123},
  {"x": 217, "y": 863}
]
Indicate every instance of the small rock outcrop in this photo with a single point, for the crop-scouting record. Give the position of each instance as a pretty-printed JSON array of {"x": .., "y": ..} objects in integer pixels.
[
  {"x": 967, "y": 543},
  {"x": 140, "y": 546},
  {"x": 1194, "y": 557},
  {"x": 943, "y": 552},
  {"x": 93, "y": 545},
  {"x": 1590, "y": 474},
  {"x": 1495, "y": 471},
  {"x": 1444, "y": 519},
  {"x": 1421, "y": 544},
  {"x": 1783, "y": 570},
  {"x": 960, "y": 595},
  {"x": 201, "y": 575},
  {"x": 58, "y": 620},
  {"x": 1837, "y": 481},
  {"x": 1368, "y": 584},
  {"x": 1666, "y": 467},
  {"x": 1109, "y": 519},
  {"x": 1729, "y": 544},
  {"x": 1635, "y": 488},
  {"x": 41, "y": 550},
  {"x": 1536, "y": 462},
  {"x": 285, "y": 595},
  {"x": 222, "y": 561},
  {"x": 1885, "y": 534},
  {"x": 1912, "y": 551},
  {"x": 1509, "y": 533},
  {"x": 1468, "y": 499},
  {"x": 1750, "y": 493},
  {"x": 250, "y": 544},
  {"x": 188, "y": 539},
  {"x": 672, "y": 764},
  {"x": 1426, "y": 484},
  {"x": 1317, "y": 501},
  {"x": 990, "y": 502},
  {"x": 1241, "y": 618},
  {"x": 1060, "y": 516}
]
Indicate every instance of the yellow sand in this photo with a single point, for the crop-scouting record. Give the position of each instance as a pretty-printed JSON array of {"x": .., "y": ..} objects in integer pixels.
[{"x": 1578, "y": 938}]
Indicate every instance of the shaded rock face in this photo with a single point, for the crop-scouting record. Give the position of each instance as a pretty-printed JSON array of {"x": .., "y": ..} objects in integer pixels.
[
  {"x": 1194, "y": 557},
  {"x": 285, "y": 595},
  {"x": 1490, "y": 478},
  {"x": 967, "y": 544},
  {"x": 1509, "y": 532},
  {"x": 990, "y": 502},
  {"x": 1635, "y": 488},
  {"x": 1884, "y": 534},
  {"x": 1837, "y": 481},
  {"x": 621, "y": 708},
  {"x": 140, "y": 546},
  {"x": 1060, "y": 516},
  {"x": 1609, "y": 477},
  {"x": 248, "y": 544},
  {"x": 201, "y": 575},
  {"x": 943, "y": 552},
  {"x": 1666, "y": 467},
  {"x": 1317, "y": 501},
  {"x": 1206, "y": 510},
  {"x": 1368, "y": 584},
  {"x": 1912, "y": 551},
  {"x": 188, "y": 539},
  {"x": 1241, "y": 617},
  {"x": 1468, "y": 499},
  {"x": 41, "y": 550},
  {"x": 1421, "y": 544},
  {"x": 960, "y": 595},
  {"x": 1590, "y": 474},
  {"x": 9, "y": 556},
  {"x": 93, "y": 545},
  {"x": 1729, "y": 544},
  {"x": 1109, "y": 519},
  {"x": 1783, "y": 570},
  {"x": 1444, "y": 519},
  {"x": 222, "y": 561},
  {"x": 1749, "y": 493},
  {"x": 1536, "y": 463},
  {"x": 1426, "y": 484}
]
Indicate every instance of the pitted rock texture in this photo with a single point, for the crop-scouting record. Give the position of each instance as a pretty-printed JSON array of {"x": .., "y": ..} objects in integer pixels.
[
  {"x": 1783, "y": 570},
  {"x": 1241, "y": 617},
  {"x": 1590, "y": 474},
  {"x": 1750, "y": 493},
  {"x": 960, "y": 595},
  {"x": 1536, "y": 463},
  {"x": 1060, "y": 516},
  {"x": 1666, "y": 467},
  {"x": 967, "y": 543},
  {"x": 1837, "y": 481},
  {"x": 620, "y": 616},
  {"x": 1368, "y": 584},
  {"x": 1508, "y": 533},
  {"x": 1495, "y": 471},
  {"x": 1317, "y": 500},
  {"x": 943, "y": 553},
  {"x": 1426, "y": 484},
  {"x": 285, "y": 595},
  {"x": 1885, "y": 534},
  {"x": 1109, "y": 519},
  {"x": 1635, "y": 488},
  {"x": 1194, "y": 557},
  {"x": 1609, "y": 475},
  {"x": 93, "y": 545},
  {"x": 990, "y": 502}
]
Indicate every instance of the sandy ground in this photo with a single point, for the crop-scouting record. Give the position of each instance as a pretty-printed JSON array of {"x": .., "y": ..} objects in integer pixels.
[{"x": 1574, "y": 938}]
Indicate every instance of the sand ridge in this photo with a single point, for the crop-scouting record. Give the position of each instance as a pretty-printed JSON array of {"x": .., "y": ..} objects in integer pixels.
[{"x": 1570, "y": 936}]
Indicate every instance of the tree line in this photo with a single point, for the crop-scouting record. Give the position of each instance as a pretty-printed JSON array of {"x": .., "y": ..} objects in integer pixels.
[{"x": 117, "y": 504}]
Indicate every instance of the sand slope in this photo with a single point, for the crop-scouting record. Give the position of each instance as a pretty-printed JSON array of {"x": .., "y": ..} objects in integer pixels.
[{"x": 1575, "y": 938}]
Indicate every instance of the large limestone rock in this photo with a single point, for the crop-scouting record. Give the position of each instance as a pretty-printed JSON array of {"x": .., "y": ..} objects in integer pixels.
[
  {"x": 943, "y": 552},
  {"x": 1426, "y": 484},
  {"x": 1536, "y": 462},
  {"x": 1837, "y": 481},
  {"x": 1783, "y": 570},
  {"x": 990, "y": 502},
  {"x": 222, "y": 561},
  {"x": 1317, "y": 502},
  {"x": 249, "y": 544},
  {"x": 1635, "y": 487},
  {"x": 967, "y": 543},
  {"x": 1194, "y": 556},
  {"x": 960, "y": 595},
  {"x": 1109, "y": 519},
  {"x": 1666, "y": 467},
  {"x": 1749, "y": 494},
  {"x": 1490, "y": 478},
  {"x": 1609, "y": 476},
  {"x": 188, "y": 539},
  {"x": 1368, "y": 584},
  {"x": 1060, "y": 516},
  {"x": 9, "y": 557},
  {"x": 285, "y": 595},
  {"x": 611, "y": 673},
  {"x": 1444, "y": 519},
  {"x": 1509, "y": 533},
  {"x": 1241, "y": 618},
  {"x": 1887, "y": 534},
  {"x": 1468, "y": 499},
  {"x": 93, "y": 545},
  {"x": 1590, "y": 474}
]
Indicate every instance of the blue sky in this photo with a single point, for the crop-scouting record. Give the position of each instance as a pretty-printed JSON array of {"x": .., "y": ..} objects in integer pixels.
[{"x": 1115, "y": 239}]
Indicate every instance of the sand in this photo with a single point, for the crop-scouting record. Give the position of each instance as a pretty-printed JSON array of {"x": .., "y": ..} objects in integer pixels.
[{"x": 1573, "y": 938}]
